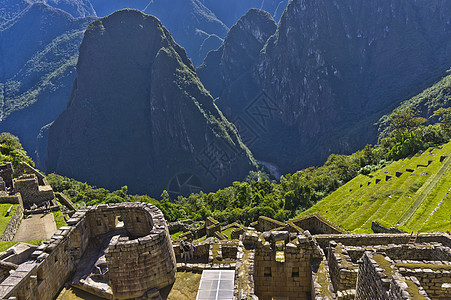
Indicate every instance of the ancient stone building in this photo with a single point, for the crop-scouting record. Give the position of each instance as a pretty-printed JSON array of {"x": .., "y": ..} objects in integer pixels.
[
  {"x": 124, "y": 251},
  {"x": 6, "y": 172},
  {"x": 293, "y": 264},
  {"x": 28, "y": 182},
  {"x": 119, "y": 251}
]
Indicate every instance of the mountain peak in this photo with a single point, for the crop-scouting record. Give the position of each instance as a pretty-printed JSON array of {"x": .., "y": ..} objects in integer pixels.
[{"x": 139, "y": 105}]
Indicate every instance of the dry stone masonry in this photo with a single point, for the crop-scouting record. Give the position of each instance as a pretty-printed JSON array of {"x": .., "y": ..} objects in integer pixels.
[
  {"x": 294, "y": 264},
  {"x": 138, "y": 256},
  {"x": 124, "y": 251}
]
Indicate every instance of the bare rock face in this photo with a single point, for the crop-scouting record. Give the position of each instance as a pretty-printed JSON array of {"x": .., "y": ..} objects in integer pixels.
[
  {"x": 139, "y": 116},
  {"x": 329, "y": 72},
  {"x": 239, "y": 52}
]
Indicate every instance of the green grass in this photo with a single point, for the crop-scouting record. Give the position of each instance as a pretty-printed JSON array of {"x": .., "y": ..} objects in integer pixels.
[
  {"x": 3, "y": 219},
  {"x": 228, "y": 232},
  {"x": 59, "y": 219},
  {"x": 6, "y": 245},
  {"x": 175, "y": 236},
  {"x": 407, "y": 201}
]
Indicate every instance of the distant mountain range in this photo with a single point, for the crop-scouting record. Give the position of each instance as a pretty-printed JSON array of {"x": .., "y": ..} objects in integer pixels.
[
  {"x": 39, "y": 48},
  {"x": 139, "y": 116},
  {"x": 327, "y": 74},
  {"x": 38, "y": 53}
]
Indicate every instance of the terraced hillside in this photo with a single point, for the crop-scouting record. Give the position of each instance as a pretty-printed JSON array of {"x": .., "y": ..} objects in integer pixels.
[{"x": 413, "y": 194}]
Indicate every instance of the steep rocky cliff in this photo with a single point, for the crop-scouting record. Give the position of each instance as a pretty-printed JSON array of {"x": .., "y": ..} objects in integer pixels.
[
  {"x": 330, "y": 71},
  {"x": 241, "y": 48},
  {"x": 232, "y": 10},
  {"x": 139, "y": 116},
  {"x": 198, "y": 25}
]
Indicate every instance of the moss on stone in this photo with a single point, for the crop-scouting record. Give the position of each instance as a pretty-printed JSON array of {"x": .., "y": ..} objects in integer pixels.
[
  {"x": 413, "y": 290},
  {"x": 384, "y": 264},
  {"x": 433, "y": 267},
  {"x": 323, "y": 281}
]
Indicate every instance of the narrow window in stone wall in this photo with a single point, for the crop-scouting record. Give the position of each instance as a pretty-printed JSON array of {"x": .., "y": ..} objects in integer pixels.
[
  {"x": 56, "y": 258},
  {"x": 138, "y": 220},
  {"x": 119, "y": 222},
  {"x": 99, "y": 222},
  {"x": 267, "y": 272},
  {"x": 295, "y": 272},
  {"x": 40, "y": 275}
]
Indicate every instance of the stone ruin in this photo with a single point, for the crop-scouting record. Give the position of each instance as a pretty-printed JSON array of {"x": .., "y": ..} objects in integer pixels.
[
  {"x": 32, "y": 186},
  {"x": 289, "y": 265},
  {"x": 124, "y": 251},
  {"x": 117, "y": 251},
  {"x": 27, "y": 183}
]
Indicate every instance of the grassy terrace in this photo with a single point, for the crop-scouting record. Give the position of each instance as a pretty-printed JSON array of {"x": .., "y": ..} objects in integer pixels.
[
  {"x": 3, "y": 219},
  {"x": 414, "y": 201},
  {"x": 6, "y": 245}
]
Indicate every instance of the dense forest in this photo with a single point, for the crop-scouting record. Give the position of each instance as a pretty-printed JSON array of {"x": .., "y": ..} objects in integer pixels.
[{"x": 257, "y": 195}]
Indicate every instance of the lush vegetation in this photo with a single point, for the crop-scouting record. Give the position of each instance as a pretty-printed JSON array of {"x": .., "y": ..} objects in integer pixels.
[
  {"x": 295, "y": 193},
  {"x": 256, "y": 196},
  {"x": 59, "y": 219},
  {"x": 12, "y": 151},
  {"x": 4, "y": 219},
  {"x": 417, "y": 198},
  {"x": 6, "y": 245}
]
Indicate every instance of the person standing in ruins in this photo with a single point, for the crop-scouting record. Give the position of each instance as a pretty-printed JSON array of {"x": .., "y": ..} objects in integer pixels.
[
  {"x": 186, "y": 249},
  {"x": 182, "y": 251},
  {"x": 191, "y": 249}
]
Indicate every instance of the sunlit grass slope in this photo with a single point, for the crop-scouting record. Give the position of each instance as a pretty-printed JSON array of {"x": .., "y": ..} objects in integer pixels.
[{"x": 413, "y": 194}]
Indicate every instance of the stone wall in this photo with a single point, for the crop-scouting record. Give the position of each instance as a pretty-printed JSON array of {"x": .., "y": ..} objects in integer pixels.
[
  {"x": 432, "y": 251},
  {"x": 235, "y": 234},
  {"x": 267, "y": 224},
  {"x": 133, "y": 218},
  {"x": 138, "y": 265},
  {"x": 32, "y": 192},
  {"x": 6, "y": 172},
  {"x": 25, "y": 169},
  {"x": 378, "y": 228},
  {"x": 10, "y": 199},
  {"x": 342, "y": 270},
  {"x": 229, "y": 250},
  {"x": 381, "y": 239},
  {"x": 54, "y": 262},
  {"x": 13, "y": 223},
  {"x": 371, "y": 283},
  {"x": 283, "y": 268},
  {"x": 430, "y": 278},
  {"x": 201, "y": 253},
  {"x": 211, "y": 226},
  {"x": 316, "y": 224},
  {"x": 64, "y": 200},
  {"x": 379, "y": 278}
]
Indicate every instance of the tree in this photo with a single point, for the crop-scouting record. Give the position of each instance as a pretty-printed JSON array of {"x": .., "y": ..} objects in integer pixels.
[
  {"x": 404, "y": 123},
  {"x": 444, "y": 115}
]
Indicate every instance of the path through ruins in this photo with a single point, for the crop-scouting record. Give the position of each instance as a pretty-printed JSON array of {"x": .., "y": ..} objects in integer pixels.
[{"x": 37, "y": 227}]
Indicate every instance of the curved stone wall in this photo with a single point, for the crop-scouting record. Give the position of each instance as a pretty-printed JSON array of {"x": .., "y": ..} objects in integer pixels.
[{"x": 141, "y": 262}]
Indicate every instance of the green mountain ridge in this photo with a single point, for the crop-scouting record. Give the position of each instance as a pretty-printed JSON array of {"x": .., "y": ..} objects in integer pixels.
[
  {"x": 37, "y": 64},
  {"x": 425, "y": 103}
]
